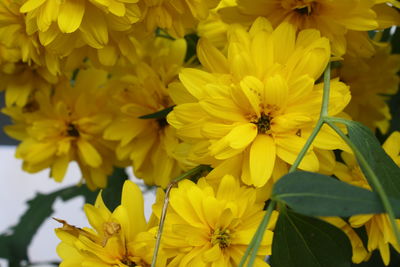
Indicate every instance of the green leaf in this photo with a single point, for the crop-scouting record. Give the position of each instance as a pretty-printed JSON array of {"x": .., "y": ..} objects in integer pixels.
[
  {"x": 315, "y": 194},
  {"x": 301, "y": 241},
  {"x": 191, "y": 40},
  {"x": 158, "y": 115},
  {"x": 112, "y": 193},
  {"x": 380, "y": 162},
  {"x": 163, "y": 34},
  {"x": 396, "y": 41}
]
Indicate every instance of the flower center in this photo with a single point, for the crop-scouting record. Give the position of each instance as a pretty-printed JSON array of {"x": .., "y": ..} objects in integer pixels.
[
  {"x": 128, "y": 262},
  {"x": 221, "y": 237},
  {"x": 306, "y": 10},
  {"x": 72, "y": 131},
  {"x": 302, "y": 7},
  {"x": 263, "y": 123},
  {"x": 31, "y": 107}
]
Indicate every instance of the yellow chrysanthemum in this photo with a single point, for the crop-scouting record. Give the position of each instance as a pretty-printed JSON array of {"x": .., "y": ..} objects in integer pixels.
[
  {"x": 14, "y": 34},
  {"x": 67, "y": 125},
  {"x": 370, "y": 81},
  {"x": 256, "y": 107},
  {"x": 176, "y": 16},
  {"x": 18, "y": 36},
  {"x": 23, "y": 81},
  {"x": 379, "y": 230},
  {"x": 208, "y": 226},
  {"x": 92, "y": 19},
  {"x": 214, "y": 28},
  {"x": 118, "y": 238},
  {"x": 332, "y": 17},
  {"x": 149, "y": 143}
]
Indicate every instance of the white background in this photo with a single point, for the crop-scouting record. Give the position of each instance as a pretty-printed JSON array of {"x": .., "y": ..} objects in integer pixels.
[{"x": 16, "y": 187}]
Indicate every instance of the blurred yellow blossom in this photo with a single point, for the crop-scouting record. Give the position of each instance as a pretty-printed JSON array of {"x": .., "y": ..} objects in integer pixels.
[
  {"x": 67, "y": 125},
  {"x": 371, "y": 80},
  {"x": 334, "y": 18}
]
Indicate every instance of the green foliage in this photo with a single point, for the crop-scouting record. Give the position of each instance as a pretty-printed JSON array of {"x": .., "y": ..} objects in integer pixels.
[
  {"x": 301, "y": 241},
  {"x": 395, "y": 40},
  {"x": 191, "y": 40},
  {"x": 112, "y": 193},
  {"x": 158, "y": 115},
  {"x": 315, "y": 194},
  {"x": 14, "y": 245},
  {"x": 377, "y": 159}
]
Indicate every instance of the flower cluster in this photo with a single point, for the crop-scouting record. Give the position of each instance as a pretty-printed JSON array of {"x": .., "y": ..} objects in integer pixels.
[{"x": 163, "y": 86}]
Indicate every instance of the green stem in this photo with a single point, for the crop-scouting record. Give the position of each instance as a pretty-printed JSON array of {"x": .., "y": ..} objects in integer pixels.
[
  {"x": 307, "y": 145},
  {"x": 326, "y": 92},
  {"x": 320, "y": 122},
  {"x": 187, "y": 174},
  {"x": 260, "y": 232},
  {"x": 370, "y": 173}
]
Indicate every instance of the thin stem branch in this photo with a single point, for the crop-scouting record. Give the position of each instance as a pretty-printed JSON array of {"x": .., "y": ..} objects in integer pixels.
[
  {"x": 320, "y": 122},
  {"x": 307, "y": 145},
  {"x": 326, "y": 92},
  {"x": 256, "y": 235},
  {"x": 186, "y": 175},
  {"x": 260, "y": 232},
  {"x": 371, "y": 174}
]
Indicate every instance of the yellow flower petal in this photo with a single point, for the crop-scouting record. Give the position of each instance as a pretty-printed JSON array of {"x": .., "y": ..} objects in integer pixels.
[
  {"x": 284, "y": 38},
  {"x": 88, "y": 153},
  {"x": 133, "y": 202},
  {"x": 212, "y": 254},
  {"x": 262, "y": 159},
  {"x": 70, "y": 16},
  {"x": 94, "y": 28},
  {"x": 253, "y": 88},
  {"x": 234, "y": 142},
  {"x": 195, "y": 81},
  {"x": 211, "y": 58},
  {"x": 31, "y": 5},
  {"x": 276, "y": 91},
  {"x": 224, "y": 109},
  {"x": 59, "y": 168}
]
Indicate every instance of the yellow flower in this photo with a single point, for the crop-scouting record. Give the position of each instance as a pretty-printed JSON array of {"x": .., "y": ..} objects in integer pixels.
[
  {"x": 118, "y": 238},
  {"x": 208, "y": 226},
  {"x": 94, "y": 19},
  {"x": 256, "y": 107},
  {"x": 14, "y": 34},
  {"x": 176, "y": 15},
  {"x": 24, "y": 80},
  {"x": 332, "y": 17},
  {"x": 18, "y": 36},
  {"x": 379, "y": 230},
  {"x": 149, "y": 143},
  {"x": 214, "y": 28},
  {"x": 370, "y": 81},
  {"x": 67, "y": 125}
]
